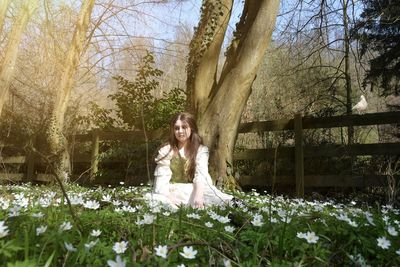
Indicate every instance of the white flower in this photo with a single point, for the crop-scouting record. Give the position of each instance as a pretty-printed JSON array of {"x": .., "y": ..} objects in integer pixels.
[
  {"x": 301, "y": 235},
  {"x": 4, "y": 203},
  {"x": 69, "y": 247},
  {"x": 209, "y": 224},
  {"x": 95, "y": 233},
  {"x": 392, "y": 231},
  {"x": 3, "y": 229},
  {"x": 14, "y": 211},
  {"x": 156, "y": 209},
  {"x": 227, "y": 263},
  {"x": 40, "y": 230},
  {"x": 223, "y": 219},
  {"x": 385, "y": 218},
  {"x": 229, "y": 229},
  {"x": 116, "y": 202},
  {"x": 120, "y": 247},
  {"x": 148, "y": 218},
  {"x": 121, "y": 183},
  {"x": 359, "y": 260},
  {"x": 193, "y": 216},
  {"x": 161, "y": 251},
  {"x": 257, "y": 220},
  {"x": 21, "y": 201},
  {"x": 37, "y": 215},
  {"x": 309, "y": 236},
  {"x": 106, "y": 198},
  {"x": 126, "y": 209},
  {"x": 383, "y": 242},
  {"x": 369, "y": 218},
  {"x": 91, "y": 244},
  {"x": 139, "y": 222},
  {"x": 212, "y": 214},
  {"x": 398, "y": 252},
  {"x": 117, "y": 263},
  {"x": 92, "y": 204},
  {"x": 76, "y": 200},
  {"x": 188, "y": 253},
  {"x": 181, "y": 265},
  {"x": 342, "y": 217},
  {"x": 65, "y": 226},
  {"x": 352, "y": 223}
]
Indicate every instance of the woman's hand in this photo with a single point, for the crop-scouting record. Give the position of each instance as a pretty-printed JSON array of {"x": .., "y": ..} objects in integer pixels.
[
  {"x": 198, "y": 202},
  {"x": 197, "y": 197}
]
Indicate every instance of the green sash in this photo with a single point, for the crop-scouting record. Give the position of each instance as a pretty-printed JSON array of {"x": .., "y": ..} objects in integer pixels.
[{"x": 178, "y": 167}]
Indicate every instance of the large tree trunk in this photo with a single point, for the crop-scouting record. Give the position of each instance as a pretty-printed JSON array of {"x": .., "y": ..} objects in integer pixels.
[
  {"x": 218, "y": 104},
  {"x": 3, "y": 10},
  {"x": 205, "y": 49},
  {"x": 56, "y": 139},
  {"x": 11, "y": 52}
]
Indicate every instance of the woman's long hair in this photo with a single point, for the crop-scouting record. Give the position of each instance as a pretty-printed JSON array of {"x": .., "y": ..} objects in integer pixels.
[{"x": 193, "y": 143}]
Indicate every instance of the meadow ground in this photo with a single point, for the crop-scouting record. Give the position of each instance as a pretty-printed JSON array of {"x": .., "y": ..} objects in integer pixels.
[{"x": 117, "y": 227}]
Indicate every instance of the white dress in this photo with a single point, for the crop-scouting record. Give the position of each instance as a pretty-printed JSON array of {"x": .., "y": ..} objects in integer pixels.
[{"x": 181, "y": 193}]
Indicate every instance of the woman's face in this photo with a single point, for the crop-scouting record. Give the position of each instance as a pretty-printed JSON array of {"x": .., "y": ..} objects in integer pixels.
[{"x": 182, "y": 132}]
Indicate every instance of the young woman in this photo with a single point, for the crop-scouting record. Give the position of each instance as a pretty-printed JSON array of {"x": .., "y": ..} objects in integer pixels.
[{"x": 181, "y": 175}]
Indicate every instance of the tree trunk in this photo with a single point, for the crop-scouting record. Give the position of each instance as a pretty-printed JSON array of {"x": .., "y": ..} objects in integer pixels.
[
  {"x": 347, "y": 69},
  {"x": 56, "y": 139},
  {"x": 3, "y": 10},
  {"x": 11, "y": 52},
  {"x": 218, "y": 105},
  {"x": 205, "y": 49}
]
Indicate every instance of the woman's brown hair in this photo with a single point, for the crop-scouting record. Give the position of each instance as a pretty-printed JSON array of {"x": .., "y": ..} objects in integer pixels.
[{"x": 193, "y": 144}]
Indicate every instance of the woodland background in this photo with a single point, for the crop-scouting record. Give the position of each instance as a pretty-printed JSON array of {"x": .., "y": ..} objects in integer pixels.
[{"x": 132, "y": 71}]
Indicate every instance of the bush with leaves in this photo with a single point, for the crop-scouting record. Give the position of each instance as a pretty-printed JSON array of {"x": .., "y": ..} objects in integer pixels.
[{"x": 136, "y": 108}]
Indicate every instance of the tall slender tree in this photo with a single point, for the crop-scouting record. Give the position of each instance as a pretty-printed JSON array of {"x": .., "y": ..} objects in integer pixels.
[
  {"x": 218, "y": 102},
  {"x": 7, "y": 67},
  {"x": 56, "y": 139}
]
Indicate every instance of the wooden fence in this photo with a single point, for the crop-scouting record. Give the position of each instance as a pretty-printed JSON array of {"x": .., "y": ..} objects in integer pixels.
[
  {"x": 29, "y": 162},
  {"x": 300, "y": 153}
]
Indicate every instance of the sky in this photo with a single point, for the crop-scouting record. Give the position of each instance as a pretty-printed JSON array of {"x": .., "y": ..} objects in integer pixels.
[{"x": 161, "y": 20}]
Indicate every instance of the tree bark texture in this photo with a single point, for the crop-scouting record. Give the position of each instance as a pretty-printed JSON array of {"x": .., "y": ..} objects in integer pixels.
[
  {"x": 7, "y": 67},
  {"x": 56, "y": 139},
  {"x": 350, "y": 138},
  {"x": 218, "y": 103},
  {"x": 3, "y": 11}
]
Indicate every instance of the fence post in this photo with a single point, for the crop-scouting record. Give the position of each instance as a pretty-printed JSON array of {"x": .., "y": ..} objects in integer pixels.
[
  {"x": 299, "y": 155},
  {"x": 30, "y": 160},
  {"x": 95, "y": 154}
]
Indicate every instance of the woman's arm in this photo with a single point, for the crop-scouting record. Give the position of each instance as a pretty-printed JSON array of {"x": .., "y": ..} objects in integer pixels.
[
  {"x": 201, "y": 178},
  {"x": 162, "y": 173}
]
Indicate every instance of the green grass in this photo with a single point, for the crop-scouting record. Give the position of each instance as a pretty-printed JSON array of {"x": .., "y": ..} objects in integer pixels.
[{"x": 262, "y": 230}]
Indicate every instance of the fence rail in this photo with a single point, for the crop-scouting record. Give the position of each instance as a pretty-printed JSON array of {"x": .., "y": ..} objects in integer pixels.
[
  {"x": 299, "y": 152},
  {"x": 95, "y": 137},
  {"x": 321, "y": 151},
  {"x": 324, "y": 122}
]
